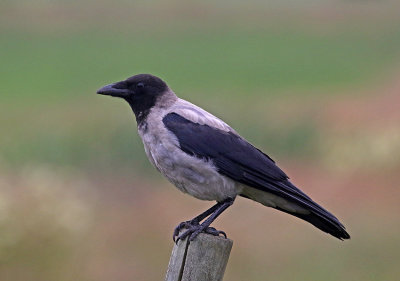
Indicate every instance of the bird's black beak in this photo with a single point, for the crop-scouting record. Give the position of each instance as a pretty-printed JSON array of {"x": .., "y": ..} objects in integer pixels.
[{"x": 118, "y": 89}]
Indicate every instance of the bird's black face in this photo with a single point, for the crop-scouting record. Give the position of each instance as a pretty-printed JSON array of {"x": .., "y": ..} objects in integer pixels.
[{"x": 140, "y": 91}]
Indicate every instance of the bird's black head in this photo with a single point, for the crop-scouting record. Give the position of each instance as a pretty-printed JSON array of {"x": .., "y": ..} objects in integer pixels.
[{"x": 140, "y": 91}]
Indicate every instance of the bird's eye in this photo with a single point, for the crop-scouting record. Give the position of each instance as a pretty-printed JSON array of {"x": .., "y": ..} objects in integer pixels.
[{"x": 140, "y": 85}]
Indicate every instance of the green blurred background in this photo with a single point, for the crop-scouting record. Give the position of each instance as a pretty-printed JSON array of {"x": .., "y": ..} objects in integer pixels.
[{"x": 317, "y": 80}]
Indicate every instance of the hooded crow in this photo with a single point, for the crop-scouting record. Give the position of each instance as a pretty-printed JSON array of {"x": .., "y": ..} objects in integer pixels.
[{"x": 204, "y": 157}]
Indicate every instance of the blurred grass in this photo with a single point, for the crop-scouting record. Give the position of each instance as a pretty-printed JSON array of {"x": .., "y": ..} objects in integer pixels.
[
  {"x": 204, "y": 61},
  {"x": 78, "y": 198}
]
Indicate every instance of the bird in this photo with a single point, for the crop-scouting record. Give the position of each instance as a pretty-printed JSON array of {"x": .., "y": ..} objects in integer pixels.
[{"x": 206, "y": 158}]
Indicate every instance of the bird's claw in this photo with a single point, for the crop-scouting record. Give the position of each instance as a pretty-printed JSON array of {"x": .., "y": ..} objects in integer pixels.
[
  {"x": 193, "y": 230},
  {"x": 215, "y": 232},
  {"x": 182, "y": 225}
]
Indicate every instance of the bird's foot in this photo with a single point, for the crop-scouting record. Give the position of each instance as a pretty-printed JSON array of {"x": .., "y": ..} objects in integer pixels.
[
  {"x": 192, "y": 230},
  {"x": 183, "y": 225}
]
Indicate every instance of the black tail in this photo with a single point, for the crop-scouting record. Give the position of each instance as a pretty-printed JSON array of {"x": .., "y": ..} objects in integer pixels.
[
  {"x": 316, "y": 215},
  {"x": 329, "y": 224}
]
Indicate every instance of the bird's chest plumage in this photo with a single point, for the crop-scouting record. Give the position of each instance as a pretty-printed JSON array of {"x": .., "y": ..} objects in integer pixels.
[{"x": 195, "y": 176}]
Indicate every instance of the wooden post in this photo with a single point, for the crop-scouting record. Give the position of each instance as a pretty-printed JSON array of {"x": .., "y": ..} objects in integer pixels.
[{"x": 203, "y": 259}]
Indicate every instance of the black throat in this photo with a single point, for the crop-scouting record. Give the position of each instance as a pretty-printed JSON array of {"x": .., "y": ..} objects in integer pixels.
[{"x": 141, "y": 106}]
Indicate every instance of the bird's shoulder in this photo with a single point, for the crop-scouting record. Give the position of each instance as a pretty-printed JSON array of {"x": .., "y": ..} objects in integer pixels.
[{"x": 197, "y": 115}]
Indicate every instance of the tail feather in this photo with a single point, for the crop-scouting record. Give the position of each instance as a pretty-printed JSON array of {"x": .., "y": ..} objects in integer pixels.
[
  {"x": 333, "y": 227},
  {"x": 303, "y": 208}
]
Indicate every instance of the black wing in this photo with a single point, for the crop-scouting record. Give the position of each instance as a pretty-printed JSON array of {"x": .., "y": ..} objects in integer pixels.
[{"x": 237, "y": 159}]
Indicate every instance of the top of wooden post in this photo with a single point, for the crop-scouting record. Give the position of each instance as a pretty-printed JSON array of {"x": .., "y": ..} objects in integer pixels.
[{"x": 203, "y": 259}]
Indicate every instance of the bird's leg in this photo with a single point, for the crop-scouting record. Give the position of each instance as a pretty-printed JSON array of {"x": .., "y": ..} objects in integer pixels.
[
  {"x": 205, "y": 214},
  {"x": 194, "y": 230},
  {"x": 195, "y": 221}
]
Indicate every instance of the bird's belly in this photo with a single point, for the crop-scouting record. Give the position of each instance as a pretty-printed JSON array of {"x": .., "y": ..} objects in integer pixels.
[{"x": 191, "y": 175}]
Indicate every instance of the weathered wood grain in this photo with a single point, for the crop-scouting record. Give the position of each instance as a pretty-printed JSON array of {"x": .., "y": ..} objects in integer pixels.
[{"x": 203, "y": 259}]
